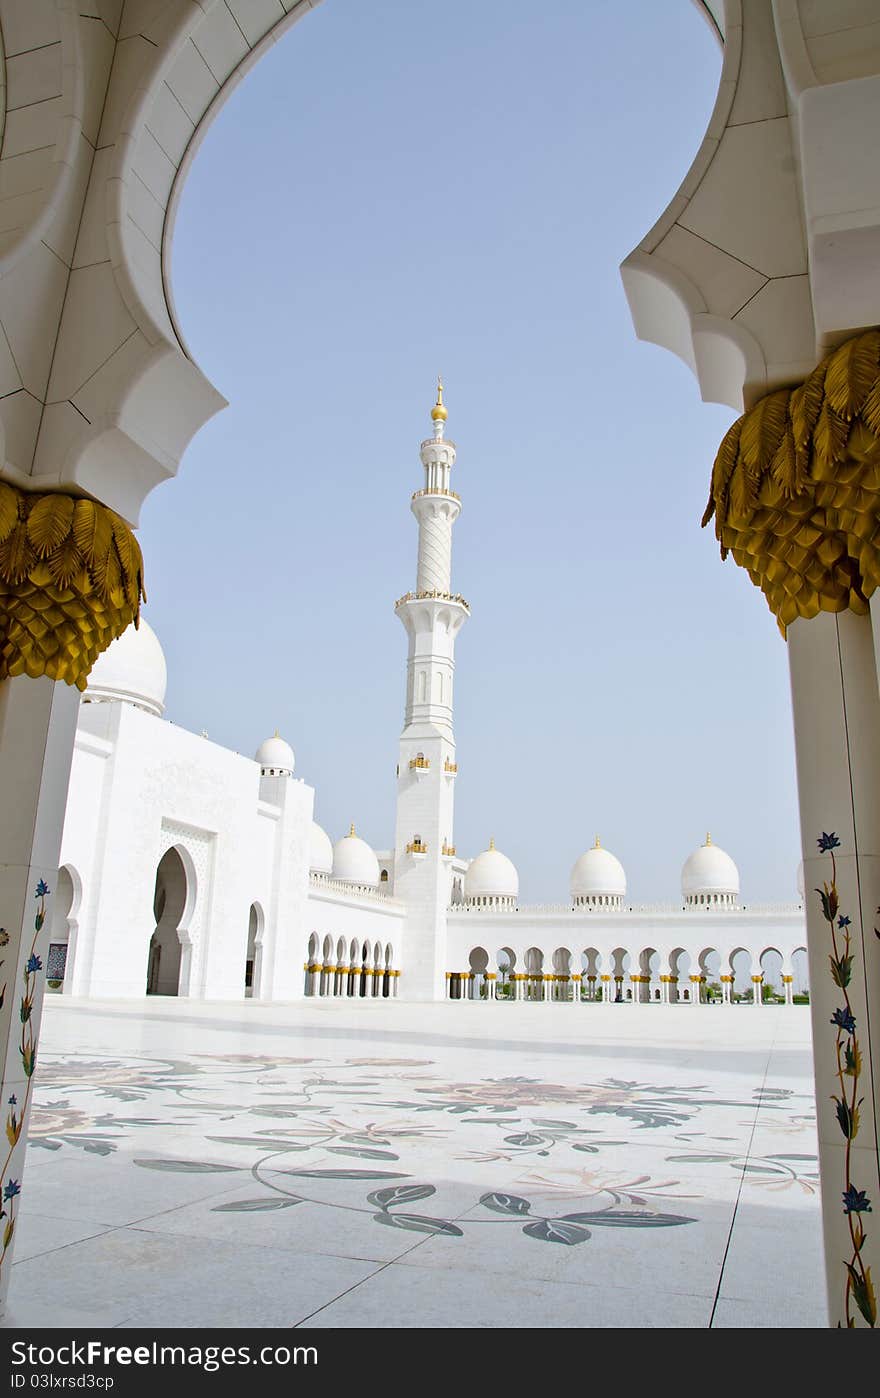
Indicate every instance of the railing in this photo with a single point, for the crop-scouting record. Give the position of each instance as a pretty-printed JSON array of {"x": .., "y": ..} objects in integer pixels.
[
  {"x": 416, "y": 847},
  {"x": 423, "y": 763},
  {"x": 433, "y": 490},
  {"x": 646, "y": 909},
  {"x": 323, "y": 883},
  {"x": 448, "y": 850},
  {"x": 434, "y": 595},
  {"x": 450, "y": 766}
]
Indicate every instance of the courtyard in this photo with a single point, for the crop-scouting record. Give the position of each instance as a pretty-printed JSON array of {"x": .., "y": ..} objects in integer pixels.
[{"x": 382, "y": 1164}]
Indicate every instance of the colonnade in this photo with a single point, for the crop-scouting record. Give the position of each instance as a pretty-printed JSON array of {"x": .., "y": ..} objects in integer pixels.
[
  {"x": 327, "y": 980},
  {"x": 350, "y": 971},
  {"x": 713, "y": 982}
]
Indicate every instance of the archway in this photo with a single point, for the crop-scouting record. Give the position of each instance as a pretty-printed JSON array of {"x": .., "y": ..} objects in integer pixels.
[
  {"x": 505, "y": 960},
  {"x": 388, "y": 978},
  {"x": 560, "y": 988},
  {"x": 366, "y": 976},
  {"x": 478, "y": 964},
  {"x": 534, "y": 974},
  {"x": 63, "y": 929},
  {"x": 172, "y": 896},
  {"x": 311, "y": 960},
  {"x": 591, "y": 970},
  {"x": 620, "y": 968},
  {"x": 709, "y": 961},
  {"x": 800, "y": 970},
  {"x": 253, "y": 963},
  {"x": 771, "y": 967},
  {"x": 679, "y": 972},
  {"x": 649, "y": 971},
  {"x": 741, "y": 971}
]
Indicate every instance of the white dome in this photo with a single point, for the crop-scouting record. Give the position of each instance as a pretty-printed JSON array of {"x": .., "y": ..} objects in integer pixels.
[
  {"x": 320, "y": 850},
  {"x": 355, "y": 862},
  {"x": 275, "y": 756},
  {"x": 491, "y": 875},
  {"x": 598, "y": 873},
  {"x": 709, "y": 871},
  {"x": 131, "y": 669}
]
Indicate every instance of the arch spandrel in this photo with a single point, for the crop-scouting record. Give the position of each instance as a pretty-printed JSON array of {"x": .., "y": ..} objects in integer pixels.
[
  {"x": 721, "y": 279},
  {"x": 100, "y": 394}
]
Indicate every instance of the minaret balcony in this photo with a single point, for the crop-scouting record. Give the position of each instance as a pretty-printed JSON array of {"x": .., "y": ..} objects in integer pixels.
[
  {"x": 433, "y": 595},
  {"x": 417, "y": 849},
  {"x": 450, "y": 769},
  {"x": 435, "y": 490},
  {"x": 448, "y": 851},
  {"x": 420, "y": 765}
]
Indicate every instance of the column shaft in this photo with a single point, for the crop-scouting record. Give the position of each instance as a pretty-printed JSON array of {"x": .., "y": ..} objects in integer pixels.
[
  {"x": 37, "y": 730},
  {"x": 837, "y": 740}
]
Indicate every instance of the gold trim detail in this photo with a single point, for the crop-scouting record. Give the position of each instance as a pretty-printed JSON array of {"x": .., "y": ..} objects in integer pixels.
[
  {"x": 796, "y": 487},
  {"x": 71, "y": 581}
]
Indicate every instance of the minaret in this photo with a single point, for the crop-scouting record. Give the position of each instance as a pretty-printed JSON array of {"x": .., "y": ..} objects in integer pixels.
[{"x": 432, "y": 616}]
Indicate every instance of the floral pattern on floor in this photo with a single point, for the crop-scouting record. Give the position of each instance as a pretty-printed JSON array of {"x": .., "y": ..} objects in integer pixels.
[{"x": 361, "y": 1134}]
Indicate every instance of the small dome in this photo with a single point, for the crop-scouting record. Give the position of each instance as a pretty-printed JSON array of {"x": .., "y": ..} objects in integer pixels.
[
  {"x": 710, "y": 876},
  {"x": 320, "y": 851},
  {"x": 275, "y": 757},
  {"x": 354, "y": 861},
  {"x": 132, "y": 670},
  {"x": 491, "y": 877},
  {"x": 598, "y": 875}
]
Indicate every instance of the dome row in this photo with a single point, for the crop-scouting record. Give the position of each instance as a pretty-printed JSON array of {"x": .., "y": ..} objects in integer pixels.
[{"x": 709, "y": 877}]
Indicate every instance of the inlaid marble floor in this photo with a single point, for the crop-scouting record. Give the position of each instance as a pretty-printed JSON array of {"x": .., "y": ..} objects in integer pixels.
[{"x": 386, "y": 1165}]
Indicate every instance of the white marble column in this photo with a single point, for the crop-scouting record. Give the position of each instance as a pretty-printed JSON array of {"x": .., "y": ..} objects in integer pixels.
[
  {"x": 37, "y": 729},
  {"x": 726, "y": 988},
  {"x": 788, "y": 987},
  {"x": 837, "y": 739},
  {"x": 757, "y": 982}
]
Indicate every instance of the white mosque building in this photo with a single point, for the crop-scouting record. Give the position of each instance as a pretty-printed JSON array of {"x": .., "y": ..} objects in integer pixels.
[{"x": 190, "y": 870}]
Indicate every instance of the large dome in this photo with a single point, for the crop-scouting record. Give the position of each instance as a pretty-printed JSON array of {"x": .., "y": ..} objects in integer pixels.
[
  {"x": 131, "y": 669},
  {"x": 275, "y": 757},
  {"x": 354, "y": 862},
  {"x": 491, "y": 880},
  {"x": 598, "y": 879},
  {"x": 710, "y": 878},
  {"x": 320, "y": 851}
]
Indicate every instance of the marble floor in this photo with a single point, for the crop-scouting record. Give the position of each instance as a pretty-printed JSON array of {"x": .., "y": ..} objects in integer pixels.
[{"x": 380, "y": 1164}]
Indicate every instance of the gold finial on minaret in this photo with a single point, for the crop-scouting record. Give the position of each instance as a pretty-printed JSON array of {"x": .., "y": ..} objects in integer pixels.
[
  {"x": 598, "y": 844},
  {"x": 491, "y": 841},
  {"x": 351, "y": 831},
  {"x": 438, "y": 412},
  {"x": 708, "y": 840}
]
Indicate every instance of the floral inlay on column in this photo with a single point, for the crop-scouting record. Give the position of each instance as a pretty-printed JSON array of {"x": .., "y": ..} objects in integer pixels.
[
  {"x": 28, "y": 1050},
  {"x": 859, "y": 1287}
]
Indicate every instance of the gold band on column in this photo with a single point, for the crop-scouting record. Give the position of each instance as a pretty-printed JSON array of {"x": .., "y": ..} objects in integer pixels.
[{"x": 71, "y": 581}]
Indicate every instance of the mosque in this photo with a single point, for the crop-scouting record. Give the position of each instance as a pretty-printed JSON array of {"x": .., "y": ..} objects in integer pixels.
[{"x": 190, "y": 870}]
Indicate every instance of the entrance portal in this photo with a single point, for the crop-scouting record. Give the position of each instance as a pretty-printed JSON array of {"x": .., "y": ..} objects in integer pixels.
[{"x": 169, "y": 901}]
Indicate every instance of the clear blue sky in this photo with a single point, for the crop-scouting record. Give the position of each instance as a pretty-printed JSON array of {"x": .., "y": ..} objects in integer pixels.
[{"x": 400, "y": 188}]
